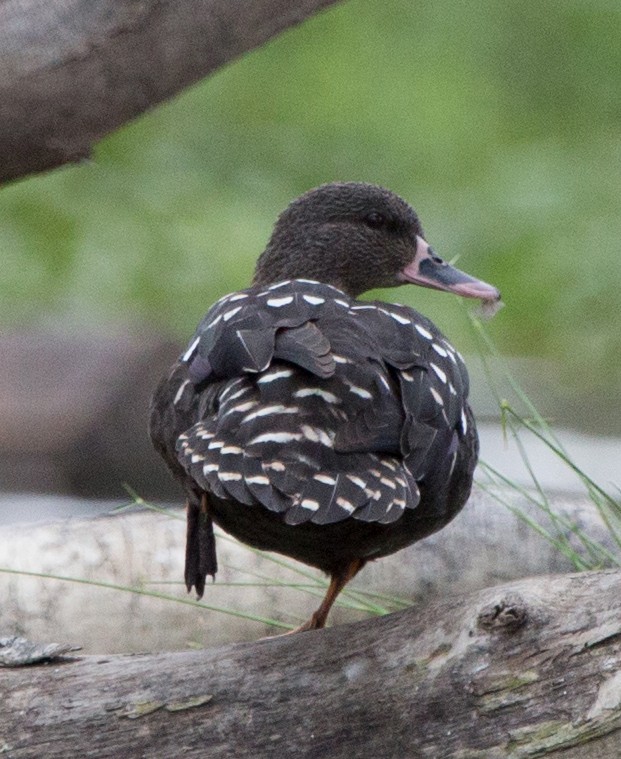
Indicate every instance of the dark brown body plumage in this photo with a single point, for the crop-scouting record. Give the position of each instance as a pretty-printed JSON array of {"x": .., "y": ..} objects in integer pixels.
[{"x": 303, "y": 421}]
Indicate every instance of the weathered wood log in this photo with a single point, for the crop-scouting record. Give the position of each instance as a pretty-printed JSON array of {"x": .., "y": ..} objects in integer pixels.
[
  {"x": 486, "y": 544},
  {"x": 529, "y": 669},
  {"x": 71, "y": 71}
]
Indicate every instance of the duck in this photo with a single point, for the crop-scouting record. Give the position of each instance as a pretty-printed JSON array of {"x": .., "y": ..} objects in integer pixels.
[{"x": 304, "y": 421}]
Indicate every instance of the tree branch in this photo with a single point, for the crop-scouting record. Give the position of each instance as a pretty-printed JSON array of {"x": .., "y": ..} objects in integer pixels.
[
  {"x": 71, "y": 71},
  {"x": 524, "y": 670}
]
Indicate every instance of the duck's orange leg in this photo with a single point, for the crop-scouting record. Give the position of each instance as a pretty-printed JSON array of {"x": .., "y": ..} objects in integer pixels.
[{"x": 338, "y": 581}]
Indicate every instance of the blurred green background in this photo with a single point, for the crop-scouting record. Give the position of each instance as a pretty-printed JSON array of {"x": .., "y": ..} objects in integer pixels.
[{"x": 499, "y": 121}]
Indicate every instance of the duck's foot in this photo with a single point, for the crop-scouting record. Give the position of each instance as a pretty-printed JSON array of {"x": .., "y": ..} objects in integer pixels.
[{"x": 338, "y": 580}]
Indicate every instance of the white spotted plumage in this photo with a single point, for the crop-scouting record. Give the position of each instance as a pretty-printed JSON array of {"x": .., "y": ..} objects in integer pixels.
[
  {"x": 279, "y": 302},
  {"x": 360, "y": 391},
  {"x": 325, "y": 479},
  {"x": 275, "y": 437},
  {"x": 273, "y": 410},
  {"x": 280, "y": 429},
  {"x": 438, "y": 372},
  {"x": 306, "y": 392},
  {"x": 230, "y": 476},
  {"x": 180, "y": 391},
  {"x": 191, "y": 349},
  {"x": 272, "y": 376},
  {"x": 314, "y": 300}
]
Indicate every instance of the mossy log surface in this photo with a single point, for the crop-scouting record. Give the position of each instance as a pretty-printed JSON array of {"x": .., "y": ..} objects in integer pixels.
[{"x": 528, "y": 669}]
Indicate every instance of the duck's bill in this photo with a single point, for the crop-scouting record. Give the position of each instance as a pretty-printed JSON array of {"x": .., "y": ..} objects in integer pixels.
[{"x": 428, "y": 270}]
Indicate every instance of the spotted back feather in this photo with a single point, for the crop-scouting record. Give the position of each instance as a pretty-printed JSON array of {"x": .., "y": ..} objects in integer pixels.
[{"x": 317, "y": 406}]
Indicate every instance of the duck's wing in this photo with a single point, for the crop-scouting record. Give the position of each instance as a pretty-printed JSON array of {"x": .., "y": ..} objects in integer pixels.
[{"x": 326, "y": 409}]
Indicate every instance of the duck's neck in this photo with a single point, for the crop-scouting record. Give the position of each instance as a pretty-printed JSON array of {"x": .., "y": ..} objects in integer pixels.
[{"x": 299, "y": 259}]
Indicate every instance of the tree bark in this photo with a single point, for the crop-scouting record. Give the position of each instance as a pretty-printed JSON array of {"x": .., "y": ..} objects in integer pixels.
[
  {"x": 528, "y": 669},
  {"x": 71, "y": 71}
]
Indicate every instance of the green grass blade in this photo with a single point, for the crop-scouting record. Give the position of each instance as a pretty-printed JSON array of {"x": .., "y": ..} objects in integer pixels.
[{"x": 151, "y": 593}]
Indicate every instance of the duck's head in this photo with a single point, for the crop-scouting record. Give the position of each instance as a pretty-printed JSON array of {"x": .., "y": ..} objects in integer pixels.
[{"x": 358, "y": 237}]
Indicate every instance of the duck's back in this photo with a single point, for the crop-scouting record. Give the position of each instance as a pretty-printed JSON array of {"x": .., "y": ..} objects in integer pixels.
[{"x": 312, "y": 420}]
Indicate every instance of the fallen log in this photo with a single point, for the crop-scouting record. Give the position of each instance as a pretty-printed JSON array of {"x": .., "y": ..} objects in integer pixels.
[
  {"x": 529, "y": 669},
  {"x": 485, "y": 545}
]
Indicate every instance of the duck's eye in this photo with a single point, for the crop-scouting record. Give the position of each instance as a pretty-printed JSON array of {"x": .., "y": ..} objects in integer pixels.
[{"x": 375, "y": 219}]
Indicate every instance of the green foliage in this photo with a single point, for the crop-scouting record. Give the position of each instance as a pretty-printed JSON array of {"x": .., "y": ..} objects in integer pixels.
[{"x": 499, "y": 121}]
